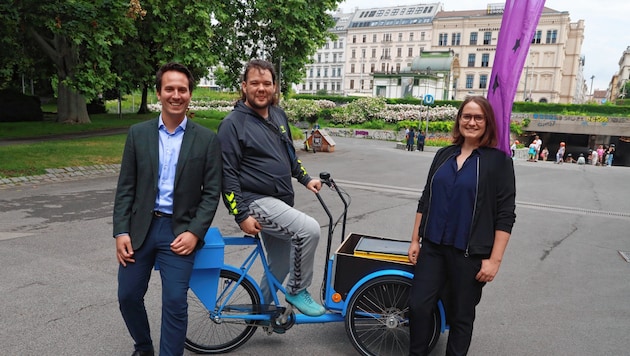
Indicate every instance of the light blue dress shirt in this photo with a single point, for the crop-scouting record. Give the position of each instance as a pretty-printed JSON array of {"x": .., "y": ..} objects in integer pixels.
[{"x": 170, "y": 145}]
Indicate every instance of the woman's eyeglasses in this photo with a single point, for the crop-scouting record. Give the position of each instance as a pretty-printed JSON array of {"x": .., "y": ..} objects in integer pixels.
[{"x": 477, "y": 118}]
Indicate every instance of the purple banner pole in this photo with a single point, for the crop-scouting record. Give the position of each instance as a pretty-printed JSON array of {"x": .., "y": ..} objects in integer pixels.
[{"x": 520, "y": 18}]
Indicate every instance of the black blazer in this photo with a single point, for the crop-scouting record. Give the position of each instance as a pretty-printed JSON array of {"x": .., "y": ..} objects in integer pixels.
[{"x": 197, "y": 182}]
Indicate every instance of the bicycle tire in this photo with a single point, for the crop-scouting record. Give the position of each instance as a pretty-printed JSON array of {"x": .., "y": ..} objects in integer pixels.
[
  {"x": 377, "y": 321},
  {"x": 206, "y": 336}
]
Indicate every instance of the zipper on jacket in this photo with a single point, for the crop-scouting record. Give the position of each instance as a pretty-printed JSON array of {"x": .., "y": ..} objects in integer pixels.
[{"x": 466, "y": 254}]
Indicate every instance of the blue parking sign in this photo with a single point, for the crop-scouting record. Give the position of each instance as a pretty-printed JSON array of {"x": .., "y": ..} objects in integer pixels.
[{"x": 428, "y": 99}]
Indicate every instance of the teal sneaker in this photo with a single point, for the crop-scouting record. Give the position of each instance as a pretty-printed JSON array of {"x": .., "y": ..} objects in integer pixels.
[{"x": 305, "y": 303}]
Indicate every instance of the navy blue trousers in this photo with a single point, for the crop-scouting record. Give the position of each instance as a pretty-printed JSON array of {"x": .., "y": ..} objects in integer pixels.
[
  {"x": 443, "y": 268},
  {"x": 133, "y": 282}
]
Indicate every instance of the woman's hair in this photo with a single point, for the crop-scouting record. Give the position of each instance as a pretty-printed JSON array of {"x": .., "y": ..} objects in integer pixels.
[
  {"x": 489, "y": 138},
  {"x": 177, "y": 67}
]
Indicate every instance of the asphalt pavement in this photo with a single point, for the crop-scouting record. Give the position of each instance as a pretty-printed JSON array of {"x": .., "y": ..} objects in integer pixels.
[{"x": 562, "y": 289}]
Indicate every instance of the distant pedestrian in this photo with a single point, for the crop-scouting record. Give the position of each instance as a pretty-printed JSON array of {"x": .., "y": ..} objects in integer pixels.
[
  {"x": 421, "y": 137},
  {"x": 410, "y": 140},
  {"x": 560, "y": 153},
  {"x": 538, "y": 142},
  {"x": 544, "y": 154},
  {"x": 609, "y": 155},
  {"x": 531, "y": 153}
]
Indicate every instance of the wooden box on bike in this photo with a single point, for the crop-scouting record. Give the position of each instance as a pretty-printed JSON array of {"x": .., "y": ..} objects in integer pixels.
[{"x": 351, "y": 265}]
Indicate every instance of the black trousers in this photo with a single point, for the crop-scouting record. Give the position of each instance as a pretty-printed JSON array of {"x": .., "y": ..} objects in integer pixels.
[{"x": 443, "y": 268}]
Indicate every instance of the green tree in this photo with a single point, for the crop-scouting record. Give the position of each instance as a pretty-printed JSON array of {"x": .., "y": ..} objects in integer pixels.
[
  {"x": 77, "y": 37},
  {"x": 285, "y": 32},
  {"x": 171, "y": 30},
  {"x": 224, "y": 80}
]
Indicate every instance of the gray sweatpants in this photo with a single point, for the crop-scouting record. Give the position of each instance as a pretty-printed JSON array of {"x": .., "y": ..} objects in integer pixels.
[{"x": 290, "y": 238}]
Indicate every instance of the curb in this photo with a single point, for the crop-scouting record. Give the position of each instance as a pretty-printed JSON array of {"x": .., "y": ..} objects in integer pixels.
[{"x": 57, "y": 175}]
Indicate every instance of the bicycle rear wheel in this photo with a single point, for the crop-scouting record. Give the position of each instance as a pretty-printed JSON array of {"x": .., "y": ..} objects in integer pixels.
[
  {"x": 207, "y": 336},
  {"x": 377, "y": 321}
]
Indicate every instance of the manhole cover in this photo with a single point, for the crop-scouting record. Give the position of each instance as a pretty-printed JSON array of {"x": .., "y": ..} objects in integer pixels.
[{"x": 625, "y": 255}]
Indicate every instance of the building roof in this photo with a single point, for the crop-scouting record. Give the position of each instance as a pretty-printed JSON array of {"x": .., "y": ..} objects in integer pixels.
[
  {"x": 490, "y": 11},
  {"x": 436, "y": 61},
  {"x": 395, "y": 15}
]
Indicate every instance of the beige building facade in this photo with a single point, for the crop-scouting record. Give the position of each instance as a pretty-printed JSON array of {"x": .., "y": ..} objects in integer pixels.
[
  {"x": 387, "y": 40},
  {"x": 617, "y": 88},
  {"x": 553, "y": 69}
]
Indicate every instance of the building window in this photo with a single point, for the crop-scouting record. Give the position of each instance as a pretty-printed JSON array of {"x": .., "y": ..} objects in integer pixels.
[
  {"x": 318, "y": 72},
  {"x": 410, "y": 36},
  {"x": 399, "y": 36},
  {"x": 552, "y": 36},
  {"x": 469, "y": 81},
  {"x": 351, "y": 83},
  {"x": 422, "y": 35},
  {"x": 397, "y": 67},
  {"x": 487, "y": 38},
  {"x": 485, "y": 59},
  {"x": 443, "y": 39},
  {"x": 363, "y": 53},
  {"x": 399, "y": 52},
  {"x": 483, "y": 81},
  {"x": 410, "y": 52},
  {"x": 352, "y": 68},
  {"x": 372, "y": 68},
  {"x": 374, "y": 38},
  {"x": 456, "y": 39},
  {"x": 471, "y": 60},
  {"x": 353, "y": 54},
  {"x": 340, "y": 43},
  {"x": 473, "y": 38},
  {"x": 537, "y": 37},
  {"x": 311, "y": 73},
  {"x": 310, "y": 86},
  {"x": 364, "y": 38},
  {"x": 354, "y": 38},
  {"x": 362, "y": 68},
  {"x": 319, "y": 58},
  {"x": 325, "y": 72},
  {"x": 334, "y": 57}
]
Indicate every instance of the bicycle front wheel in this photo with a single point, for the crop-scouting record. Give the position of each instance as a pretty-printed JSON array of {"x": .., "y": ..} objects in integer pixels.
[
  {"x": 208, "y": 336},
  {"x": 377, "y": 321}
]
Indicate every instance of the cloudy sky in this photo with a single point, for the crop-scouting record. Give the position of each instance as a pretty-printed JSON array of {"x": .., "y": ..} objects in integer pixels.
[{"x": 606, "y": 33}]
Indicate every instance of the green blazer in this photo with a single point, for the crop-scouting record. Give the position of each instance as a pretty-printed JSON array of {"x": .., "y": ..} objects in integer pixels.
[{"x": 197, "y": 182}]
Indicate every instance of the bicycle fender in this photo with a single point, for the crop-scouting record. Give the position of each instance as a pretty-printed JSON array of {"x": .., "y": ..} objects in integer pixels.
[{"x": 369, "y": 277}]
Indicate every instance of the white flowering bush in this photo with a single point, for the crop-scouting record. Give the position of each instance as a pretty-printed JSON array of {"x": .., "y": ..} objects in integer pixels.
[
  {"x": 301, "y": 109},
  {"x": 326, "y": 104},
  {"x": 196, "y": 105}
]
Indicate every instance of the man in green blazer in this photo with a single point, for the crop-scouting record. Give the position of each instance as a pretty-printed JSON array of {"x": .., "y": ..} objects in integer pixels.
[{"x": 167, "y": 195}]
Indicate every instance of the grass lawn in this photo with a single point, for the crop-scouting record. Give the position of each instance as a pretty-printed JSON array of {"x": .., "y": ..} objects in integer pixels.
[{"x": 34, "y": 158}]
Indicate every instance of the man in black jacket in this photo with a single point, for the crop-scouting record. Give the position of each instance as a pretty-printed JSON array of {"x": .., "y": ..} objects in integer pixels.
[{"x": 259, "y": 161}]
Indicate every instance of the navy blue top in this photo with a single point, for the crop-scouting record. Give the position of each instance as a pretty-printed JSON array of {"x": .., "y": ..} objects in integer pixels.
[{"x": 453, "y": 202}]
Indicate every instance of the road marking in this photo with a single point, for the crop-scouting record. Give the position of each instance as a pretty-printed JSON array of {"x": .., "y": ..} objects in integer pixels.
[
  {"x": 521, "y": 204},
  {"x": 12, "y": 235}
]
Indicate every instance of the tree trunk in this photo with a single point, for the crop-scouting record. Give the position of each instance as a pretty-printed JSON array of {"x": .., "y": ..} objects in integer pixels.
[
  {"x": 71, "y": 107},
  {"x": 144, "y": 108}
]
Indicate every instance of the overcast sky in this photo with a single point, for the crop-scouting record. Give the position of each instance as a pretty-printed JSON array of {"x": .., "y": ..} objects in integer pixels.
[{"x": 606, "y": 33}]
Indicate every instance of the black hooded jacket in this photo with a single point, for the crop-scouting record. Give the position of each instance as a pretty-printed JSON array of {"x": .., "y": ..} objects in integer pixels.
[{"x": 259, "y": 159}]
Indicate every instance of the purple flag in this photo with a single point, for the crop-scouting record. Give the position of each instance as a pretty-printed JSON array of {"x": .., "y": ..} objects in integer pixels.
[{"x": 520, "y": 18}]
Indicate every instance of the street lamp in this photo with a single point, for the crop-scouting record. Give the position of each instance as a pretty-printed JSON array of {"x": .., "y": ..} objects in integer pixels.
[{"x": 592, "y": 77}]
